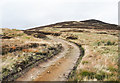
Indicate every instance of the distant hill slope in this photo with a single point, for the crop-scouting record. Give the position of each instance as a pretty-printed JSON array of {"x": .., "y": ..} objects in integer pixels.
[{"x": 87, "y": 24}]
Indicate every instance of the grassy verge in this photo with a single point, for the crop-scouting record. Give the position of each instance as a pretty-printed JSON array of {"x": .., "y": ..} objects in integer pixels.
[
  {"x": 30, "y": 60},
  {"x": 100, "y": 62},
  {"x": 73, "y": 73}
]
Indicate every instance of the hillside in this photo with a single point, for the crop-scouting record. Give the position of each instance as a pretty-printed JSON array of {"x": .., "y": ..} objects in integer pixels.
[
  {"x": 100, "y": 47},
  {"x": 66, "y": 51},
  {"x": 87, "y": 24}
]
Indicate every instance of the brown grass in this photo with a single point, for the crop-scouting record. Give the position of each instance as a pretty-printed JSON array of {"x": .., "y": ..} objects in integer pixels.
[{"x": 100, "y": 59}]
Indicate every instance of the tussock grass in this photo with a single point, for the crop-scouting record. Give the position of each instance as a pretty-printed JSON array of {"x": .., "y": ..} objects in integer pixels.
[
  {"x": 17, "y": 62},
  {"x": 101, "y": 55}
]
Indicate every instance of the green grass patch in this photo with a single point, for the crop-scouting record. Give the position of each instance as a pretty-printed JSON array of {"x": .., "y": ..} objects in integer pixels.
[
  {"x": 84, "y": 62},
  {"x": 27, "y": 37}
]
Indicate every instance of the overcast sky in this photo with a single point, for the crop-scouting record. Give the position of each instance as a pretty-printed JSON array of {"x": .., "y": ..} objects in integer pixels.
[{"x": 23, "y": 14}]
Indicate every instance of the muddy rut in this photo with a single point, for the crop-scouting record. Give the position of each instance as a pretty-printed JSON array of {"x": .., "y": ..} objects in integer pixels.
[{"x": 56, "y": 68}]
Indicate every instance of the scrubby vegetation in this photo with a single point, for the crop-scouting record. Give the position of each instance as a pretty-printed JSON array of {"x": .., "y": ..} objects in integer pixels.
[
  {"x": 101, "y": 55},
  {"x": 101, "y": 58},
  {"x": 6, "y": 49},
  {"x": 70, "y": 36},
  {"x": 10, "y": 33},
  {"x": 39, "y": 35},
  {"x": 20, "y": 61},
  {"x": 99, "y": 49},
  {"x": 23, "y": 51}
]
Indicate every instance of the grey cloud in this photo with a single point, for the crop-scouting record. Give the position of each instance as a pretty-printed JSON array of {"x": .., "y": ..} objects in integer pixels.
[{"x": 23, "y": 14}]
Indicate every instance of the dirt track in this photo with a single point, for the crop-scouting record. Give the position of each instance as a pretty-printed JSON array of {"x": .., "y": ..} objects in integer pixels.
[{"x": 57, "y": 68}]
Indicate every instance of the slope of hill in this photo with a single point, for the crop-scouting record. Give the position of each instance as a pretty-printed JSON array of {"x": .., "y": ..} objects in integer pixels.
[
  {"x": 20, "y": 51},
  {"x": 90, "y": 47},
  {"x": 100, "y": 43},
  {"x": 87, "y": 24}
]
